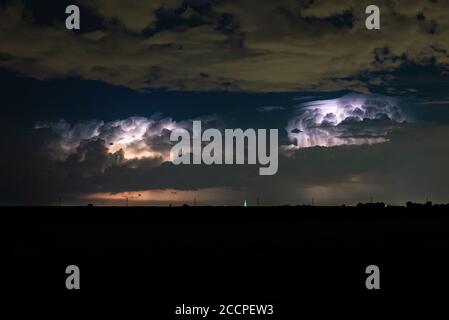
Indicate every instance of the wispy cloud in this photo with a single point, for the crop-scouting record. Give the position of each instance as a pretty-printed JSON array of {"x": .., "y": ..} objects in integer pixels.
[
  {"x": 435, "y": 102},
  {"x": 270, "y": 108}
]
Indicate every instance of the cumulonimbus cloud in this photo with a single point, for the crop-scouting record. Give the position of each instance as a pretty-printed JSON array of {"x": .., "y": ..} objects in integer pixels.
[
  {"x": 353, "y": 119},
  {"x": 136, "y": 137}
]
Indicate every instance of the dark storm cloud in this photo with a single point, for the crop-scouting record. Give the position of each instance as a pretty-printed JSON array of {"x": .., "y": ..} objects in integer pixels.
[
  {"x": 229, "y": 45},
  {"x": 404, "y": 168}
]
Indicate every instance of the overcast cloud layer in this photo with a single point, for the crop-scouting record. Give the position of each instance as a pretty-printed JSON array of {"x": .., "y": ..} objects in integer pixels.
[{"x": 277, "y": 45}]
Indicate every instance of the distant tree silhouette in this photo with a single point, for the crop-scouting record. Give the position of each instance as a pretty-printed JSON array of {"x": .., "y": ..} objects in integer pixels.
[
  {"x": 410, "y": 204},
  {"x": 378, "y": 205}
]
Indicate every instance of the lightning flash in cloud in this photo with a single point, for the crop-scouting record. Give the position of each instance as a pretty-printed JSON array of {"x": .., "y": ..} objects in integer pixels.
[{"x": 353, "y": 119}]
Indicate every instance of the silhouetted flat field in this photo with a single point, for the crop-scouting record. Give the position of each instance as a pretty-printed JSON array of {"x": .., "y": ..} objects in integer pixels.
[{"x": 269, "y": 253}]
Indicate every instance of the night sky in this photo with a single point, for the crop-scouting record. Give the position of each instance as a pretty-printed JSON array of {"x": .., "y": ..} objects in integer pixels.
[{"x": 86, "y": 115}]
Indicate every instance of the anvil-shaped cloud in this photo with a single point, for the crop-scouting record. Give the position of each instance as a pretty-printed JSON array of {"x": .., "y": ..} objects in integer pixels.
[{"x": 353, "y": 119}]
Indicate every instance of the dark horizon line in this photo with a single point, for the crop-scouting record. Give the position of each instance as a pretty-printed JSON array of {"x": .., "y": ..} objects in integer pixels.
[{"x": 379, "y": 205}]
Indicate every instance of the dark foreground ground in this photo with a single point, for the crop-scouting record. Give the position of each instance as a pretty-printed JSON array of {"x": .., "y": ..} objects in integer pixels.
[{"x": 171, "y": 256}]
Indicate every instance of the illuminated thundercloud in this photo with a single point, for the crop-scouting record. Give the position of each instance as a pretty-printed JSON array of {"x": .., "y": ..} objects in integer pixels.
[
  {"x": 136, "y": 137},
  {"x": 350, "y": 120}
]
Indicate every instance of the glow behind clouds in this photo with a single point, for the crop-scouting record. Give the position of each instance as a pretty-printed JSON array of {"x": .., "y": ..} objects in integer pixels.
[
  {"x": 350, "y": 120},
  {"x": 137, "y": 137}
]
